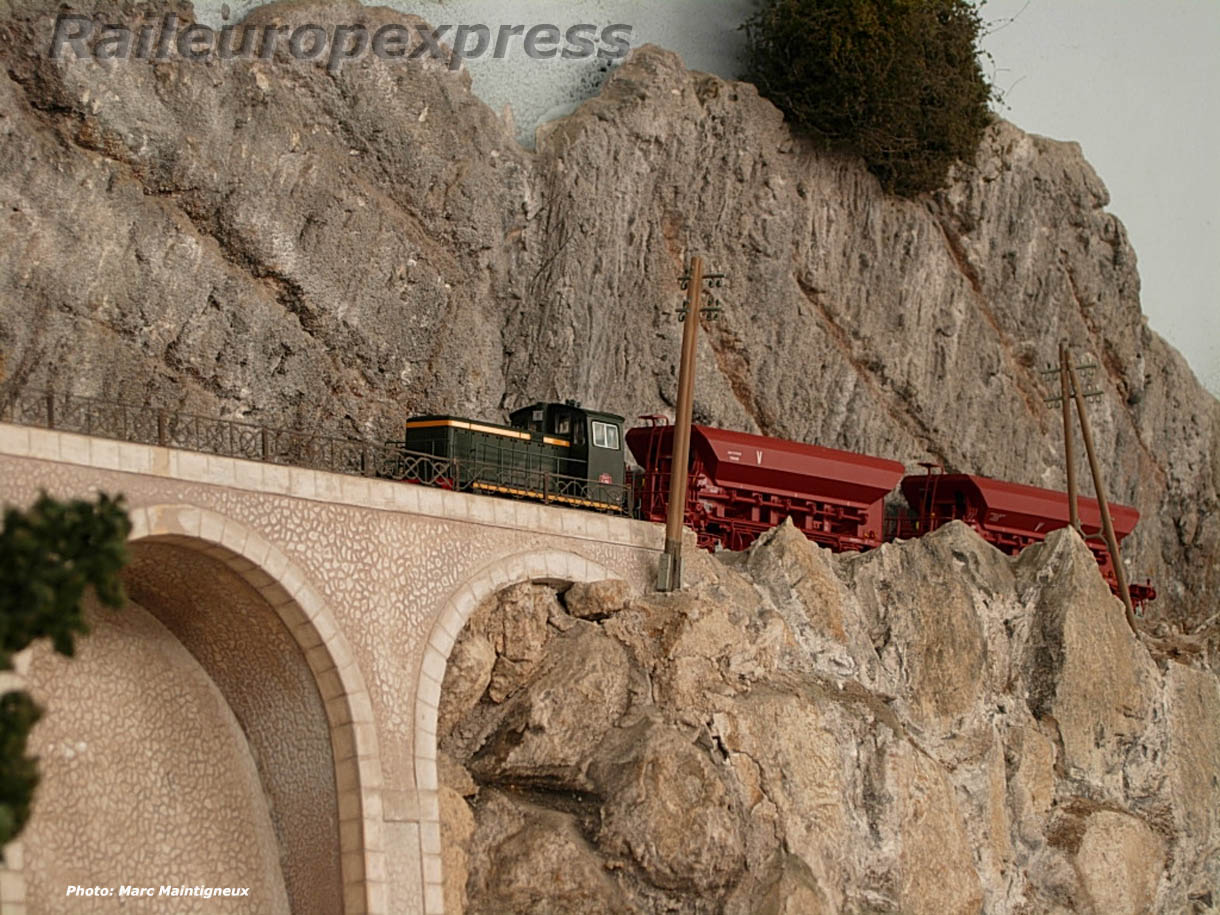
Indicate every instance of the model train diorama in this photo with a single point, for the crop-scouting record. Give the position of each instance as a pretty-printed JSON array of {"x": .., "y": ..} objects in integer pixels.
[{"x": 739, "y": 485}]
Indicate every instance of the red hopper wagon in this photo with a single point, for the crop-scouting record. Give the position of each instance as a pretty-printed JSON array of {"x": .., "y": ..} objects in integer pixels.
[
  {"x": 742, "y": 485},
  {"x": 1011, "y": 516}
]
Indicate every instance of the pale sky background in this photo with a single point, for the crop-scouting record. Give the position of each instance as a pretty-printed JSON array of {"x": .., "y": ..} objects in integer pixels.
[{"x": 1135, "y": 82}]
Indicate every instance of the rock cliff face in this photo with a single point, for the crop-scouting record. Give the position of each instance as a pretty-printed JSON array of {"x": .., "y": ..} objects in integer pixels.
[
  {"x": 271, "y": 241},
  {"x": 928, "y": 728}
]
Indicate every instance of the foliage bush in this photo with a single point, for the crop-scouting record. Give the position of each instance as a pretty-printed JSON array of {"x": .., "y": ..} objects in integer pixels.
[
  {"x": 49, "y": 556},
  {"x": 18, "y": 772},
  {"x": 896, "y": 81}
]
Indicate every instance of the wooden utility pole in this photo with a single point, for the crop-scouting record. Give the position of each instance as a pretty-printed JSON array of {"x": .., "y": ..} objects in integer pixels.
[
  {"x": 669, "y": 575},
  {"x": 1116, "y": 559},
  {"x": 1069, "y": 442}
]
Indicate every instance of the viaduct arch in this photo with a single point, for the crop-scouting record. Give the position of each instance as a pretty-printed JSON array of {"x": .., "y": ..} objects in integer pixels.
[
  {"x": 304, "y": 613},
  {"x": 557, "y": 566}
]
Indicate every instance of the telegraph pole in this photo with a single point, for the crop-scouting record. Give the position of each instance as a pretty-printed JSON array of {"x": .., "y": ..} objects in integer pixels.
[
  {"x": 669, "y": 574},
  {"x": 1069, "y": 443},
  {"x": 1107, "y": 525},
  {"x": 1069, "y": 385}
]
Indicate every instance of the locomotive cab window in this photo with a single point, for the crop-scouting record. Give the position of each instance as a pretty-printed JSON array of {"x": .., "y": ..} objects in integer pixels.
[{"x": 605, "y": 435}]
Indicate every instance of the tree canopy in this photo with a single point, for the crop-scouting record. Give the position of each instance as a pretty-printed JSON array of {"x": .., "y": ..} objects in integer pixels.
[
  {"x": 49, "y": 556},
  {"x": 896, "y": 81}
]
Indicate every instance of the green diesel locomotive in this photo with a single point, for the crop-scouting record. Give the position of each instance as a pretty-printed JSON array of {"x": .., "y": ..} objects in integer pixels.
[{"x": 549, "y": 452}]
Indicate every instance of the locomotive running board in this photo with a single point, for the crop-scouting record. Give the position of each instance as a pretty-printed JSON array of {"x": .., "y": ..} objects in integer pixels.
[{"x": 541, "y": 497}]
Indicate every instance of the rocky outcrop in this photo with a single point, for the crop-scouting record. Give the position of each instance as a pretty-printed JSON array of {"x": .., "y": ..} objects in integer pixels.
[
  {"x": 931, "y": 727},
  {"x": 335, "y": 250}
]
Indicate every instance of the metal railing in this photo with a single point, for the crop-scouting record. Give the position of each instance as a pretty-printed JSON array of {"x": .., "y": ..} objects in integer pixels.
[
  {"x": 188, "y": 431},
  {"x": 247, "y": 441}
]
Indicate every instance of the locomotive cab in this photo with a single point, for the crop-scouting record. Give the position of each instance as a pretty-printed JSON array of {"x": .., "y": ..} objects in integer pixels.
[{"x": 591, "y": 442}]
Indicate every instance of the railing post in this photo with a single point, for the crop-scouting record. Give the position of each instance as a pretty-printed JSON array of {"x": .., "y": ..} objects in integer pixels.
[
  {"x": 50, "y": 411},
  {"x": 162, "y": 431},
  {"x": 262, "y": 433}
]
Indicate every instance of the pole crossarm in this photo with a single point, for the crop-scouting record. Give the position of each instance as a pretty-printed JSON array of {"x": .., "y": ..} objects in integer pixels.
[{"x": 1062, "y": 371}]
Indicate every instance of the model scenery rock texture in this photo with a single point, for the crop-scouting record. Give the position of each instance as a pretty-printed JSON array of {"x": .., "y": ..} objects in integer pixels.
[{"x": 931, "y": 727}]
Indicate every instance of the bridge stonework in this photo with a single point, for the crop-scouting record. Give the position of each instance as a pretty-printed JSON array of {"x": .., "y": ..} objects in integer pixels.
[{"x": 257, "y": 581}]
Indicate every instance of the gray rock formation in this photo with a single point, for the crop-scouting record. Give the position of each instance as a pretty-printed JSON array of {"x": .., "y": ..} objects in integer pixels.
[
  {"x": 336, "y": 251},
  {"x": 931, "y": 727}
]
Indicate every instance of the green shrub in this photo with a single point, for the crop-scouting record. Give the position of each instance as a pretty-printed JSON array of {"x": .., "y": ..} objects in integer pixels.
[
  {"x": 49, "y": 556},
  {"x": 896, "y": 81},
  {"x": 18, "y": 772}
]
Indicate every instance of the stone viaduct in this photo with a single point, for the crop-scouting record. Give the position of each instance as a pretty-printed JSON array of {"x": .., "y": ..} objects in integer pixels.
[{"x": 263, "y": 713}]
